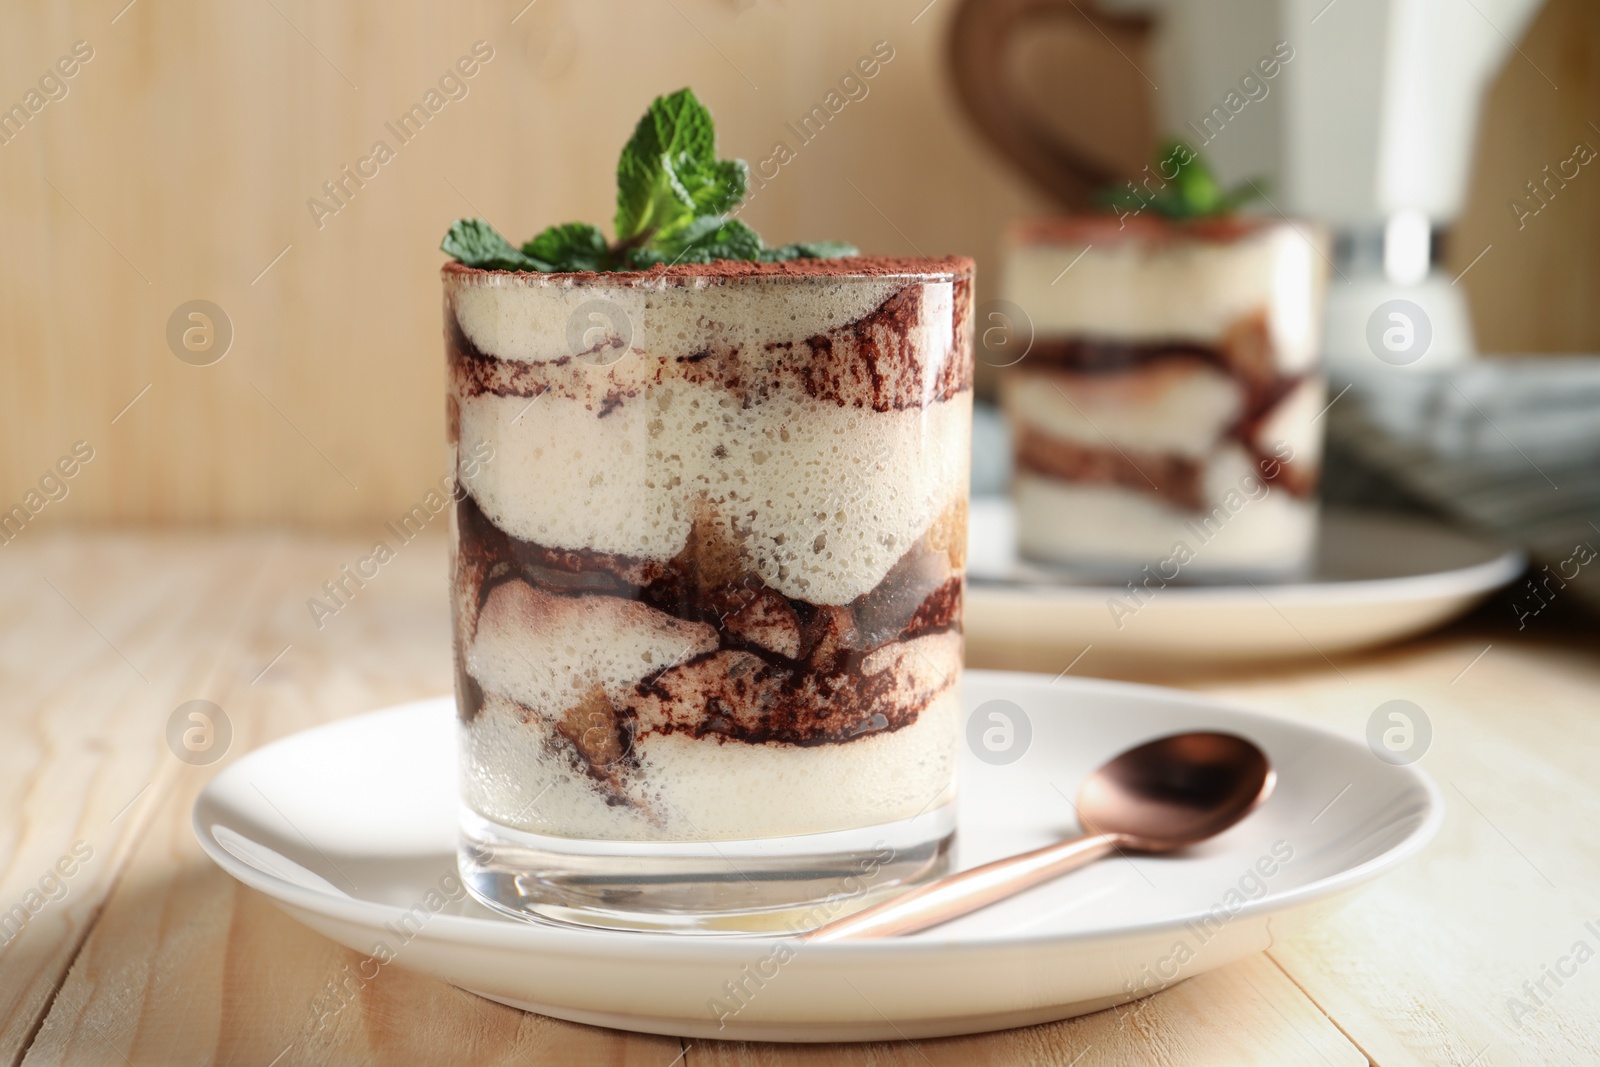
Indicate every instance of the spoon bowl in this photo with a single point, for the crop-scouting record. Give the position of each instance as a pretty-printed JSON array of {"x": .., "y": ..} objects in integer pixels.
[{"x": 1175, "y": 791}]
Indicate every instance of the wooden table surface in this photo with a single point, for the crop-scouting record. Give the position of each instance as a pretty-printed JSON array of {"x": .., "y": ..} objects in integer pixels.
[{"x": 148, "y": 954}]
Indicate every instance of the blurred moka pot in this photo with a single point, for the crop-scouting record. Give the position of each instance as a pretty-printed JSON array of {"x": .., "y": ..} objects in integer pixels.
[{"x": 1359, "y": 114}]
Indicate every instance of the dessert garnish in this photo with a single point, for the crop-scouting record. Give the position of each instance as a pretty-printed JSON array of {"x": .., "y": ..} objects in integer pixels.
[
  {"x": 676, "y": 203},
  {"x": 1179, "y": 186}
]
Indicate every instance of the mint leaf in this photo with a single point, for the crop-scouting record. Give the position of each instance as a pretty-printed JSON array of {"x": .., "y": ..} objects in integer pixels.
[
  {"x": 1197, "y": 190},
  {"x": 809, "y": 250},
  {"x": 718, "y": 188},
  {"x": 570, "y": 247},
  {"x": 1192, "y": 192},
  {"x": 713, "y": 237},
  {"x": 705, "y": 240},
  {"x": 668, "y": 173},
  {"x": 477, "y": 244},
  {"x": 733, "y": 239}
]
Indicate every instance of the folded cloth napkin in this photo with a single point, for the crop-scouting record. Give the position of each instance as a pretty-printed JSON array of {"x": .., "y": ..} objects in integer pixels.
[{"x": 1510, "y": 446}]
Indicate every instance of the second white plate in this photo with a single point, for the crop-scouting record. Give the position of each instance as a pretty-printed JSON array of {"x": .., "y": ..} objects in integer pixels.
[{"x": 1378, "y": 578}]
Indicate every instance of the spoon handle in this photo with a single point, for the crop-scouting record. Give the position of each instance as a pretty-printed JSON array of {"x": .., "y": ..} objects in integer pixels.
[{"x": 958, "y": 894}]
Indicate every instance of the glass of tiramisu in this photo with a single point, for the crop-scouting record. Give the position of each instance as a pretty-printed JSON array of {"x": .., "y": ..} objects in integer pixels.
[
  {"x": 707, "y": 595},
  {"x": 1165, "y": 417}
]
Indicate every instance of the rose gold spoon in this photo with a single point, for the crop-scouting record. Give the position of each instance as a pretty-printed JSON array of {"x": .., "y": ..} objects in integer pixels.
[{"x": 1162, "y": 796}]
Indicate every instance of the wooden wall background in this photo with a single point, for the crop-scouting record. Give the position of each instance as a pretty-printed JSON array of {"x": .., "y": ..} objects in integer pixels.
[{"x": 179, "y": 164}]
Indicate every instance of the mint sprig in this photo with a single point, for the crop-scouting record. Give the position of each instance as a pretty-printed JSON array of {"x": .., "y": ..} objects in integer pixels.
[
  {"x": 577, "y": 244},
  {"x": 675, "y": 201},
  {"x": 1192, "y": 192}
]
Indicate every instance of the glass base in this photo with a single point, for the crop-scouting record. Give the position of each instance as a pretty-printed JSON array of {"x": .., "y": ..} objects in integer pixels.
[{"x": 774, "y": 886}]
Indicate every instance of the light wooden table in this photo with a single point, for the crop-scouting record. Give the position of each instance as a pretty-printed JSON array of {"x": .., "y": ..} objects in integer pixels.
[{"x": 151, "y": 955}]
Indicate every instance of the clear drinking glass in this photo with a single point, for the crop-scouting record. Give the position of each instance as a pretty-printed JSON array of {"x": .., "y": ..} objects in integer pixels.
[
  {"x": 708, "y": 558},
  {"x": 1165, "y": 418}
]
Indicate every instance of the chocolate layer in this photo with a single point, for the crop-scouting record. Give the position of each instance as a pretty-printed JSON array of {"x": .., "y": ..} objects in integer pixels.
[
  {"x": 878, "y": 361},
  {"x": 1179, "y": 480},
  {"x": 1244, "y": 354},
  {"x": 783, "y": 670}
]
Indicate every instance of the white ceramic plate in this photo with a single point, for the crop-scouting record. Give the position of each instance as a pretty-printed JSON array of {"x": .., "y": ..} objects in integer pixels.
[
  {"x": 1378, "y": 578},
  {"x": 350, "y": 826}
]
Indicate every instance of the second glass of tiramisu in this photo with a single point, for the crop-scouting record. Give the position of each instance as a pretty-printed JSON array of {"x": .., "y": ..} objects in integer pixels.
[{"x": 1165, "y": 417}]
